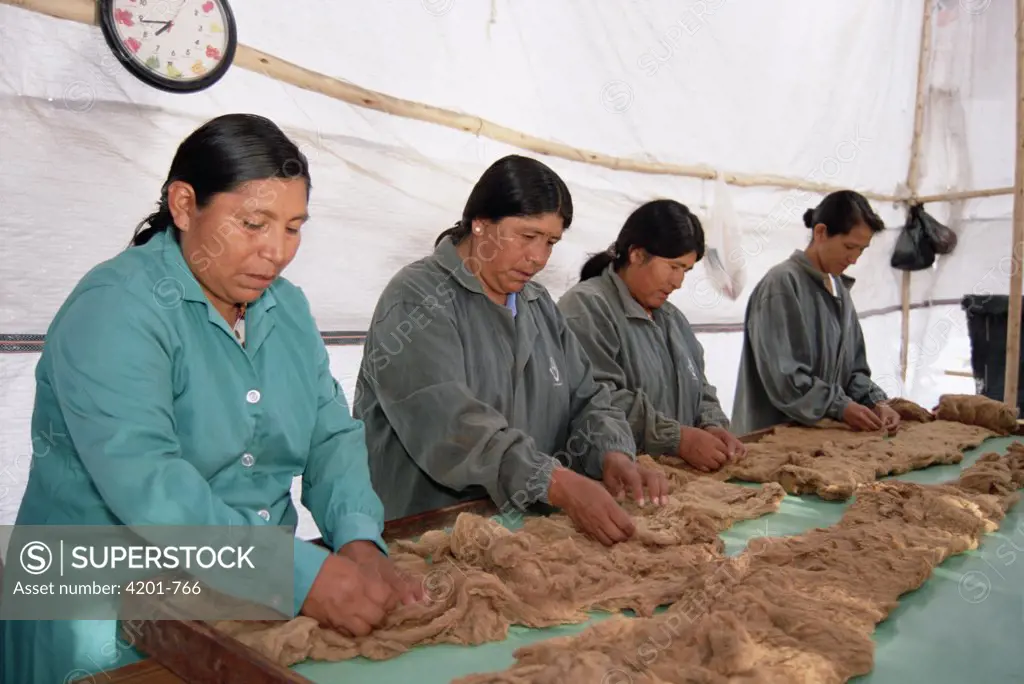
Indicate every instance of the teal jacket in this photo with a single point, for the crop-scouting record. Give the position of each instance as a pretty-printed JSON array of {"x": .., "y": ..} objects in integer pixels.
[{"x": 149, "y": 412}]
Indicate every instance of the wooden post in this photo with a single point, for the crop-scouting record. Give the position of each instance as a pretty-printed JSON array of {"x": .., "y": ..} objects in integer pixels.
[
  {"x": 1017, "y": 246},
  {"x": 905, "y": 328},
  {"x": 914, "y": 172}
]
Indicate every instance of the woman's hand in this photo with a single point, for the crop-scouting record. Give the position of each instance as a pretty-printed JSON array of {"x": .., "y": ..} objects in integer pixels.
[
  {"x": 590, "y": 506},
  {"x": 890, "y": 419},
  {"x": 702, "y": 449},
  {"x": 860, "y": 417},
  {"x": 735, "y": 448},
  {"x": 373, "y": 561},
  {"x": 347, "y": 598},
  {"x": 656, "y": 484},
  {"x": 621, "y": 475}
]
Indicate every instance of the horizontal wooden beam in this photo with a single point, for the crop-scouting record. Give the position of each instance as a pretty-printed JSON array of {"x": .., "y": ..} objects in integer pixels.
[
  {"x": 271, "y": 66},
  {"x": 962, "y": 195}
]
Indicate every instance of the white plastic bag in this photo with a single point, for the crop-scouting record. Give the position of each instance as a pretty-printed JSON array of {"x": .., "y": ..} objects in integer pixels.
[{"x": 724, "y": 261}]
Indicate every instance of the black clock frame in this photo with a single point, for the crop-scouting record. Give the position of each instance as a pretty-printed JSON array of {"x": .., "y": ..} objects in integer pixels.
[{"x": 146, "y": 75}]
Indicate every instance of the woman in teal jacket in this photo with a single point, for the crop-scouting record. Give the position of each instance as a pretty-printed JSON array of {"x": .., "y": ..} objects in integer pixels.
[{"x": 183, "y": 382}]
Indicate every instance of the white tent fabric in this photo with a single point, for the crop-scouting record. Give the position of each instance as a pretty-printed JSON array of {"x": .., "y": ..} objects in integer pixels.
[{"x": 801, "y": 88}]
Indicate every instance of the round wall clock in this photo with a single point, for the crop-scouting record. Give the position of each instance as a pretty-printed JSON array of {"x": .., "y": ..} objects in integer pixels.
[{"x": 180, "y": 46}]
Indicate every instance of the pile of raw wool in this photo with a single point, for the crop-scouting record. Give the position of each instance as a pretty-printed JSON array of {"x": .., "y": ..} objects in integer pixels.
[
  {"x": 977, "y": 410},
  {"x": 790, "y": 609},
  {"x": 481, "y": 577},
  {"x": 831, "y": 460}
]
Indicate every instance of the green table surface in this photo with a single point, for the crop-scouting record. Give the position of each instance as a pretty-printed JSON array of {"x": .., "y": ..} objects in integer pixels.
[{"x": 965, "y": 624}]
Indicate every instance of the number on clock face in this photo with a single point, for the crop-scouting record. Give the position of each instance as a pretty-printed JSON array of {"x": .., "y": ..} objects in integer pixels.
[{"x": 179, "y": 39}]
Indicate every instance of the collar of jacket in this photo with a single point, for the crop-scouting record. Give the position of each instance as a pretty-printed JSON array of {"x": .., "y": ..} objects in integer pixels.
[
  {"x": 449, "y": 259},
  {"x": 190, "y": 288},
  {"x": 801, "y": 260},
  {"x": 632, "y": 307}
]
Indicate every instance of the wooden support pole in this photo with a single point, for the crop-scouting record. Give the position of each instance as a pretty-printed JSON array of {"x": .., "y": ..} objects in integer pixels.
[
  {"x": 914, "y": 171},
  {"x": 920, "y": 99},
  {"x": 905, "y": 327},
  {"x": 1017, "y": 246}
]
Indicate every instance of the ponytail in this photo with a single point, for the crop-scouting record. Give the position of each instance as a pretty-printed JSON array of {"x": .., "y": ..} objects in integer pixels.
[
  {"x": 662, "y": 228},
  {"x": 457, "y": 233},
  {"x": 154, "y": 224},
  {"x": 597, "y": 263},
  {"x": 841, "y": 211},
  {"x": 809, "y": 218}
]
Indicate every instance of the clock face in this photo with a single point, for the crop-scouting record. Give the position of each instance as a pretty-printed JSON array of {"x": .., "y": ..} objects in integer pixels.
[{"x": 176, "y": 40}]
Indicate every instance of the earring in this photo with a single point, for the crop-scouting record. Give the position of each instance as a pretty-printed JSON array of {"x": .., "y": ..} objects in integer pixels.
[{"x": 477, "y": 230}]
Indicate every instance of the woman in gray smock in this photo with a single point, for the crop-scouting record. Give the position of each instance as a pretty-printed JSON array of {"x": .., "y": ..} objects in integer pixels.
[
  {"x": 803, "y": 350},
  {"x": 642, "y": 346},
  {"x": 473, "y": 385}
]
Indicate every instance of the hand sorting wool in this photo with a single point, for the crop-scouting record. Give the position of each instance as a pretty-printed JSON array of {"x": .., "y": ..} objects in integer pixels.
[
  {"x": 655, "y": 482},
  {"x": 860, "y": 417},
  {"x": 590, "y": 506},
  {"x": 371, "y": 560},
  {"x": 736, "y": 449},
  {"x": 624, "y": 477},
  {"x": 702, "y": 449},
  {"x": 890, "y": 418},
  {"x": 347, "y": 598}
]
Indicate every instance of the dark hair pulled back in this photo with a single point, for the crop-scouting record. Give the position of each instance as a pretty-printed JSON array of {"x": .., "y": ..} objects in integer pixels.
[
  {"x": 513, "y": 186},
  {"x": 221, "y": 155},
  {"x": 663, "y": 228},
  {"x": 840, "y": 211}
]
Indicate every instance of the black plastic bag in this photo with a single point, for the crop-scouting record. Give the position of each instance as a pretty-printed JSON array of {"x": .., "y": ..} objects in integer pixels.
[
  {"x": 922, "y": 238},
  {"x": 914, "y": 250},
  {"x": 942, "y": 238}
]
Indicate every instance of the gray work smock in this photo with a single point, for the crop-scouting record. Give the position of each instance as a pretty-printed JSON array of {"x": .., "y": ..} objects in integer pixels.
[
  {"x": 463, "y": 398},
  {"x": 653, "y": 365},
  {"x": 803, "y": 350}
]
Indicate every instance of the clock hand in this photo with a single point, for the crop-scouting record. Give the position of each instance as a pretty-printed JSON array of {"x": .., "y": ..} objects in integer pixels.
[{"x": 167, "y": 25}]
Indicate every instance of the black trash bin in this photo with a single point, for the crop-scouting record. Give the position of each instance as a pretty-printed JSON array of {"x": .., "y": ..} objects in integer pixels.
[{"x": 986, "y": 325}]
